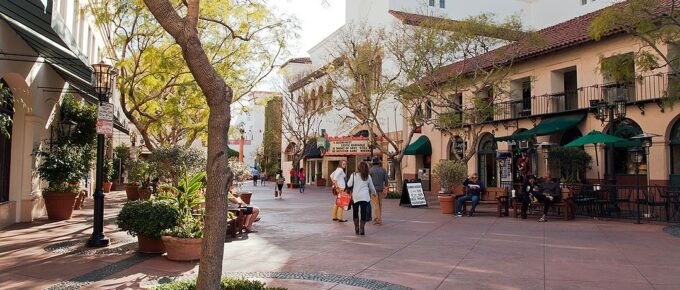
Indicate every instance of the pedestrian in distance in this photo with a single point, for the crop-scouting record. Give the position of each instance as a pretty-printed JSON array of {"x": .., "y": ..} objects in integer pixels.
[
  {"x": 362, "y": 189},
  {"x": 256, "y": 175},
  {"x": 473, "y": 191},
  {"x": 302, "y": 179},
  {"x": 264, "y": 177},
  {"x": 339, "y": 184},
  {"x": 280, "y": 181},
  {"x": 379, "y": 178}
]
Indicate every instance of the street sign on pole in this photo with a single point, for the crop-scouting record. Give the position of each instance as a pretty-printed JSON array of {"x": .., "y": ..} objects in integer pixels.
[{"x": 105, "y": 119}]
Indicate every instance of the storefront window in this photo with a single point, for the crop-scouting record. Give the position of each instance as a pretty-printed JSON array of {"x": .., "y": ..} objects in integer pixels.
[{"x": 487, "y": 160}]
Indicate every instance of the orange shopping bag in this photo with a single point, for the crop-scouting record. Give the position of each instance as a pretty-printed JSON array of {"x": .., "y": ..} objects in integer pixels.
[{"x": 343, "y": 200}]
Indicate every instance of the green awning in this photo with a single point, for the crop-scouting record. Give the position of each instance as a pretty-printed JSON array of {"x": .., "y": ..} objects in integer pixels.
[
  {"x": 421, "y": 146},
  {"x": 547, "y": 127}
]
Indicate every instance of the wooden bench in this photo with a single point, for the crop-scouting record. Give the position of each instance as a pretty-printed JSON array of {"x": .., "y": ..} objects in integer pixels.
[
  {"x": 566, "y": 206},
  {"x": 492, "y": 195},
  {"x": 236, "y": 224}
]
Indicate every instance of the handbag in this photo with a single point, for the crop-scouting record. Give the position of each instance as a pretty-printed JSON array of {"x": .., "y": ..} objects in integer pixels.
[{"x": 344, "y": 199}]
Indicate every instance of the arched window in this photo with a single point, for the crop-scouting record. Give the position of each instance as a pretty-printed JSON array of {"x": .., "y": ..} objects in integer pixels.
[
  {"x": 626, "y": 129},
  {"x": 570, "y": 135},
  {"x": 428, "y": 109},
  {"x": 486, "y": 158}
]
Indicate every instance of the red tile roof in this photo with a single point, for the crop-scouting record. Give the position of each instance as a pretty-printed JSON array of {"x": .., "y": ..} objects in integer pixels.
[{"x": 561, "y": 36}]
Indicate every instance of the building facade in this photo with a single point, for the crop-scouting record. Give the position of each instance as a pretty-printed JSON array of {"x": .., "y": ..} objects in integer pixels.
[
  {"x": 46, "y": 50},
  {"x": 553, "y": 93},
  {"x": 311, "y": 85}
]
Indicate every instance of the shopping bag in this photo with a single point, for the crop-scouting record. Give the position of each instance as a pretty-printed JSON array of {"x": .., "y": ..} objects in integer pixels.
[{"x": 343, "y": 200}]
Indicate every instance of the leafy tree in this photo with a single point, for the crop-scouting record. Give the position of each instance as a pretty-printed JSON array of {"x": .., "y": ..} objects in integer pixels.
[
  {"x": 183, "y": 22},
  {"x": 159, "y": 95},
  {"x": 656, "y": 24},
  {"x": 271, "y": 146}
]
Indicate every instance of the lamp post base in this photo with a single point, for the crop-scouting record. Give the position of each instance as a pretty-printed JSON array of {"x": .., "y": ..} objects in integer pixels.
[{"x": 98, "y": 242}]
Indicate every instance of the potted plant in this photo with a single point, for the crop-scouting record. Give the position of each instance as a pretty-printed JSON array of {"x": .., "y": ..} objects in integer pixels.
[
  {"x": 183, "y": 241},
  {"x": 241, "y": 173},
  {"x": 320, "y": 181},
  {"x": 61, "y": 167},
  {"x": 108, "y": 175},
  {"x": 450, "y": 173},
  {"x": 146, "y": 219},
  {"x": 136, "y": 177}
]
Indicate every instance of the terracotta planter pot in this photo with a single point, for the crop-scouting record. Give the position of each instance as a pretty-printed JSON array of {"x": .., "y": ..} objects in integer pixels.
[
  {"x": 245, "y": 196},
  {"x": 60, "y": 204},
  {"x": 132, "y": 192},
  {"x": 446, "y": 203},
  {"x": 182, "y": 249},
  {"x": 150, "y": 245},
  {"x": 79, "y": 200},
  {"x": 107, "y": 186},
  {"x": 144, "y": 193}
]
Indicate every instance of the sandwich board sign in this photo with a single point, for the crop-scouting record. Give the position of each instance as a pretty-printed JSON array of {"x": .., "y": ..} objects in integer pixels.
[{"x": 412, "y": 194}]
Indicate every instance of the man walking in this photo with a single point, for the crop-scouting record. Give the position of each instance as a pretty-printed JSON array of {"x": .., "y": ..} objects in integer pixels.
[
  {"x": 379, "y": 178},
  {"x": 256, "y": 175}
]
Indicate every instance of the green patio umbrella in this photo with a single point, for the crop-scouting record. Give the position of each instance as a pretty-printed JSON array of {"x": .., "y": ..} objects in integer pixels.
[{"x": 595, "y": 137}]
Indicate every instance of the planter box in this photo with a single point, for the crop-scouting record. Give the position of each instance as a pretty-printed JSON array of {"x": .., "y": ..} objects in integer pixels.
[
  {"x": 106, "y": 186},
  {"x": 182, "y": 249},
  {"x": 447, "y": 203},
  {"x": 150, "y": 246},
  {"x": 132, "y": 192}
]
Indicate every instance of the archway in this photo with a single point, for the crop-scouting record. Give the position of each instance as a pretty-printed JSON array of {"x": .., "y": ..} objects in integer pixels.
[
  {"x": 674, "y": 144},
  {"x": 570, "y": 135},
  {"x": 486, "y": 158},
  {"x": 7, "y": 112},
  {"x": 623, "y": 159}
]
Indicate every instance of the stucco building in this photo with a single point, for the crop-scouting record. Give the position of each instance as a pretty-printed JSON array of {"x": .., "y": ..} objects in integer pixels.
[{"x": 46, "y": 50}]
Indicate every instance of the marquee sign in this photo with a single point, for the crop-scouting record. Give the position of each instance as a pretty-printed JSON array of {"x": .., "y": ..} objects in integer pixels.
[{"x": 348, "y": 146}]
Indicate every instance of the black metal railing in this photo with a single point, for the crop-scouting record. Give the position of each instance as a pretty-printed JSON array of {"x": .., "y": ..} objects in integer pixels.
[
  {"x": 646, "y": 203},
  {"x": 644, "y": 88}
]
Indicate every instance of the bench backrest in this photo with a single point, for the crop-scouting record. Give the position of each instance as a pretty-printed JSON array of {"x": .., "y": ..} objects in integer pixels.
[{"x": 491, "y": 193}]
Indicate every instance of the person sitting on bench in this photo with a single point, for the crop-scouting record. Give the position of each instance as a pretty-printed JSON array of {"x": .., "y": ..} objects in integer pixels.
[
  {"x": 550, "y": 194},
  {"x": 250, "y": 212},
  {"x": 529, "y": 189},
  {"x": 473, "y": 191}
]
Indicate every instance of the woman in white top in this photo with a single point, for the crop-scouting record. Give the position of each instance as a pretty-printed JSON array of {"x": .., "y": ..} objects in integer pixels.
[
  {"x": 362, "y": 188},
  {"x": 338, "y": 179}
]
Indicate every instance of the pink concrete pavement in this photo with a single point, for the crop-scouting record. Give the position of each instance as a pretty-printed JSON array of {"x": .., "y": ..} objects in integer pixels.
[{"x": 418, "y": 248}]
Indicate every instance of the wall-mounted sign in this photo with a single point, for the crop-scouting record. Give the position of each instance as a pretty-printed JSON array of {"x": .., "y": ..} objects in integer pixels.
[{"x": 349, "y": 147}]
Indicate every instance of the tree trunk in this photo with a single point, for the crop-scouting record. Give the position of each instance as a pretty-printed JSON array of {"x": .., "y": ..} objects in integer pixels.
[
  {"x": 398, "y": 178},
  {"x": 219, "y": 96}
]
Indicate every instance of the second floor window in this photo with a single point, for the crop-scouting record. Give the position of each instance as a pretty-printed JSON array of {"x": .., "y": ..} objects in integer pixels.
[
  {"x": 442, "y": 3},
  {"x": 431, "y": 3}
]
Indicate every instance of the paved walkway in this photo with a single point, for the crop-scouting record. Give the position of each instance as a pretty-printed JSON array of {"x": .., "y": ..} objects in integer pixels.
[{"x": 300, "y": 248}]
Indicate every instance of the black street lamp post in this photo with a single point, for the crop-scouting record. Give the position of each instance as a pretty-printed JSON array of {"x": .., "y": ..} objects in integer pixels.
[
  {"x": 637, "y": 160},
  {"x": 102, "y": 78},
  {"x": 610, "y": 111}
]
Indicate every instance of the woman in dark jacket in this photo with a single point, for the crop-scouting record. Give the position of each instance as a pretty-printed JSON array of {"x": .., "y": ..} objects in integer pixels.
[{"x": 530, "y": 188}]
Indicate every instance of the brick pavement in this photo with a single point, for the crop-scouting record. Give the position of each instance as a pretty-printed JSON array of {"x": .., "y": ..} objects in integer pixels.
[{"x": 418, "y": 248}]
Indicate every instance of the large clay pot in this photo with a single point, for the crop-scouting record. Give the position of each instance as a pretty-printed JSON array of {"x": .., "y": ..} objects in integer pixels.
[
  {"x": 144, "y": 193},
  {"x": 182, "y": 249},
  {"x": 132, "y": 192},
  {"x": 245, "y": 196},
  {"x": 446, "y": 203},
  {"x": 59, "y": 204},
  {"x": 79, "y": 200},
  {"x": 107, "y": 186},
  {"x": 150, "y": 245}
]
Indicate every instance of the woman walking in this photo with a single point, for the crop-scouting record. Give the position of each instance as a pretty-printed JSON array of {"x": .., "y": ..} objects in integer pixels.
[
  {"x": 362, "y": 188},
  {"x": 301, "y": 178},
  {"x": 338, "y": 179},
  {"x": 280, "y": 180}
]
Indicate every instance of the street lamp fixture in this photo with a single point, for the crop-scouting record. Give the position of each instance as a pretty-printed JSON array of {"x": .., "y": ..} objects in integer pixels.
[
  {"x": 637, "y": 153},
  {"x": 103, "y": 76},
  {"x": 66, "y": 127}
]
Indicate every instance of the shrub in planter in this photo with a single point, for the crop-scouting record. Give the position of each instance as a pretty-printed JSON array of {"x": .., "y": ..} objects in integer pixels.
[
  {"x": 450, "y": 174},
  {"x": 226, "y": 284},
  {"x": 146, "y": 219},
  {"x": 62, "y": 167},
  {"x": 108, "y": 174},
  {"x": 137, "y": 177}
]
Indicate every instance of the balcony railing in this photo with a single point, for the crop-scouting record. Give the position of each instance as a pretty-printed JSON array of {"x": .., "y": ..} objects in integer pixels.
[{"x": 643, "y": 89}]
